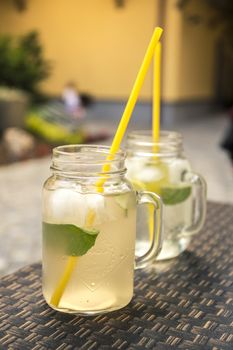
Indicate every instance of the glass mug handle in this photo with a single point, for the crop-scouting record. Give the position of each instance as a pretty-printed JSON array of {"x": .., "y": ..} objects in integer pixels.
[
  {"x": 199, "y": 190},
  {"x": 146, "y": 197}
]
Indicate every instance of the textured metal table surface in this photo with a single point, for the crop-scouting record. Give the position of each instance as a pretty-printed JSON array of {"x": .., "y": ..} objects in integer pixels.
[{"x": 185, "y": 303}]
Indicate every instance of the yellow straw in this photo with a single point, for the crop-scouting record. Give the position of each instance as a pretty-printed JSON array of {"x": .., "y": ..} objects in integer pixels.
[
  {"x": 135, "y": 91},
  {"x": 156, "y": 94},
  {"x": 56, "y": 296},
  {"x": 155, "y": 119},
  {"x": 131, "y": 101},
  {"x": 55, "y": 299},
  {"x": 151, "y": 222},
  {"x": 70, "y": 266}
]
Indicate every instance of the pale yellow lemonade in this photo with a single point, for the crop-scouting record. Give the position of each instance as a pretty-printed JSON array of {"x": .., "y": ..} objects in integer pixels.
[
  {"x": 103, "y": 275},
  {"x": 165, "y": 178}
]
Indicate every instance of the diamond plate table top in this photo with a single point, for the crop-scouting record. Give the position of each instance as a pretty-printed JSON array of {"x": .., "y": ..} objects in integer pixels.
[{"x": 184, "y": 303}]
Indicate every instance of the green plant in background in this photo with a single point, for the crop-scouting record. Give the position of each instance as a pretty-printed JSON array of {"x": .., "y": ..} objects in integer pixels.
[
  {"x": 22, "y": 65},
  {"x": 51, "y": 132}
]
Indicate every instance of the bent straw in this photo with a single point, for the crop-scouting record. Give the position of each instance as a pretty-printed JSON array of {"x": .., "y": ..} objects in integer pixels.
[{"x": 115, "y": 145}]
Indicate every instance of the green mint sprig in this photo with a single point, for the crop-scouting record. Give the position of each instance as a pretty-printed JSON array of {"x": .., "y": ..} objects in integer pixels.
[
  {"x": 75, "y": 240},
  {"x": 175, "y": 195}
]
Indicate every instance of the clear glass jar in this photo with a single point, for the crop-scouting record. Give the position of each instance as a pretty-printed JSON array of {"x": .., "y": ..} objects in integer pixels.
[
  {"x": 163, "y": 169},
  {"x": 89, "y": 227}
]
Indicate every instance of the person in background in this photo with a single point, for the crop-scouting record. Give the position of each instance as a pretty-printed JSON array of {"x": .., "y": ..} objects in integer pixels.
[{"x": 72, "y": 101}]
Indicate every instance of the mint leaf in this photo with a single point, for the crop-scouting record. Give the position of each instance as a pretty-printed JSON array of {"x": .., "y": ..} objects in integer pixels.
[
  {"x": 175, "y": 195},
  {"x": 75, "y": 240}
]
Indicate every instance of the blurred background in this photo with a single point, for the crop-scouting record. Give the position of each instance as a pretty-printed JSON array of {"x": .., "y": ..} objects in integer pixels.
[{"x": 66, "y": 71}]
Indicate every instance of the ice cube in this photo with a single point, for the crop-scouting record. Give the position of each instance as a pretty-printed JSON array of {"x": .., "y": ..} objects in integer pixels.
[
  {"x": 141, "y": 170},
  {"x": 134, "y": 166},
  {"x": 177, "y": 168},
  {"x": 65, "y": 206},
  {"x": 96, "y": 203},
  {"x": 150, "y": 174}
]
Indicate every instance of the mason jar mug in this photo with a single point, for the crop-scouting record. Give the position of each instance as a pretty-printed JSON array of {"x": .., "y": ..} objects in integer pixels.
[
  {"x": 89, "y": 227},
  {"x": 162, "y": 168}
]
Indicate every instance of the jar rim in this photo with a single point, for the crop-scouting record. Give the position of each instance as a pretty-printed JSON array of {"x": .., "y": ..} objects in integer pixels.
[
  {"x": 92, "y": 158},
  {"x": 145, "y": 137},
  {"x": 140, "y": 142}
]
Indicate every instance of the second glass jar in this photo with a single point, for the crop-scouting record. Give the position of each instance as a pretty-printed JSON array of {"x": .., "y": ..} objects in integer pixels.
[{"x": 162, "y": 168}]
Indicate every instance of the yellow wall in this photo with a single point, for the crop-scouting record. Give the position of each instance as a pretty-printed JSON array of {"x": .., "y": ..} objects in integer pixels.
[
  {"x": 101, "y": 47},
  {"x": 92, "y": 42},
  {"x": 189, "y": 53},
  {"x": 172, "y": 52}
]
